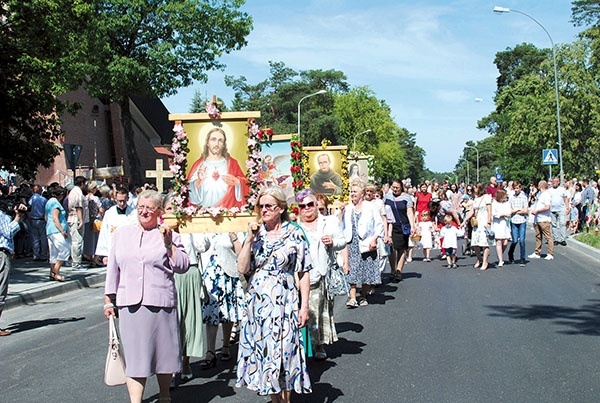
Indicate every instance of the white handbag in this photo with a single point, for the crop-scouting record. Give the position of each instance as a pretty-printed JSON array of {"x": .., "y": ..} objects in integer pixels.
[{"x": 114, "y": 371}]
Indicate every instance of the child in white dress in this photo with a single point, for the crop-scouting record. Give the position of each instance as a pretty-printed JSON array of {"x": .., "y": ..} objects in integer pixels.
[{"x": 425, "y": 230}]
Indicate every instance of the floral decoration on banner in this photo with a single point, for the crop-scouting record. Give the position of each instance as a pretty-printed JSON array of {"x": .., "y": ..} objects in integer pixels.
[
  {"x": 371, "y": 166},
  {"x": 255, "y": 135},
  {"x": 178, "y": 167},
  {"x": 298, "y": 164},
  {"x": 325, "y": 143},
  {"x": 345, "y": 178},
  {"x": 213, "y": 110}
]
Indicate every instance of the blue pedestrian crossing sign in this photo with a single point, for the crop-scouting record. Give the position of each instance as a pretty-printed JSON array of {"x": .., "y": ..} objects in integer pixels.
[{"x": 550, "y": 156}]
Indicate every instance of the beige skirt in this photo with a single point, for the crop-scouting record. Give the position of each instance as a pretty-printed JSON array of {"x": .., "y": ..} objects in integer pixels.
[{"x": 320, "y": 312}]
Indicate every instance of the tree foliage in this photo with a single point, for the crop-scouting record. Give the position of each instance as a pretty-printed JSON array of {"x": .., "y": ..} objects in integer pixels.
[
  {"x": 340, "y": 116},
  {"x": 42, "y": 56},
  {"x": 154, "y": 47}
]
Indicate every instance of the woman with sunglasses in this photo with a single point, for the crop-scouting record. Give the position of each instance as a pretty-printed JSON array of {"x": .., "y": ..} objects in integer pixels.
[
  {"x": 325, "y": 238},
  {"x": 271, "y": 358}
]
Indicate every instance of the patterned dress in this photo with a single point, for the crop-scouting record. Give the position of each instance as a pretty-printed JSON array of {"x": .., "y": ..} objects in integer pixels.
[
  {"x": 225, "y": 293},
  {"x": 271, "y": 356},
  {"x": 364, "y": 268},
  {"x": 479, "y": 237}
]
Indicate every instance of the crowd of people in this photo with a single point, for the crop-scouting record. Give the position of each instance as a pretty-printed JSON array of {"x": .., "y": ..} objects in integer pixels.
[{"x": 272, "y": 288}]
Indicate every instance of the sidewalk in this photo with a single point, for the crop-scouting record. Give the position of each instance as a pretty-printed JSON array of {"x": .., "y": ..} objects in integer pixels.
[{"x": 29, "y": 280}]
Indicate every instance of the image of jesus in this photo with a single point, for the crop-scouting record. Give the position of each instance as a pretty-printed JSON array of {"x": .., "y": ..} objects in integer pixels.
[
  {"x": 325, "y": 180},
  {"x": 216, "y": 179}
]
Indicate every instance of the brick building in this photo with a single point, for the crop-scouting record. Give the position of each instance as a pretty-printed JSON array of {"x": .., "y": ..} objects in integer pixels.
[{"x": 97, "y": 128}]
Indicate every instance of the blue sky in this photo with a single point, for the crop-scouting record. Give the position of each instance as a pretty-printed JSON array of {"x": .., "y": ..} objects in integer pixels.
[{"x": 428, "y": 60}]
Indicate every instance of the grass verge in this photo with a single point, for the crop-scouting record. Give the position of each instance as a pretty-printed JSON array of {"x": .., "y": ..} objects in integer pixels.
[{"x": 589, "y": 239}]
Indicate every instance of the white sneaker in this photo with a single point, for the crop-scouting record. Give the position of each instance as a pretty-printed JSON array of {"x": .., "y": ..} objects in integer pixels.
[
  {"x": 549, "y": 257},
  {"x": 534, "y": 256}
]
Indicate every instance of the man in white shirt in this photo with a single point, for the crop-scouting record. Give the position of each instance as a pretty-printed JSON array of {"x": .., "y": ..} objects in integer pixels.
[
  {"x": 77, "y": 217},
  {"x": 559, "y": 211},
  {"x": 542, "y": 222},
  {"x": 114, "y": 217}
]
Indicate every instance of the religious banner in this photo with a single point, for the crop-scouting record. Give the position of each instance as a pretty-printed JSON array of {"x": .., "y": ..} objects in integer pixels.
[
  {"x": 108, "y": 172},
  {"x": 276, "y": 167},
  {"x": 361, "y": 168},
  {"x": 326, "y": 170},
  {"x": 216, "y": 157}
]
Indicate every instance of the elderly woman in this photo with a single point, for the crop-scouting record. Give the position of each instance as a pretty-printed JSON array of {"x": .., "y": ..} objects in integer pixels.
[
  {"x": 271, "y": 358},
  {"x": 362, "y": 226},
  {"x": 140, "y": 284},
  {"x": 90, "y": 238},
  {"x": 57, "y": 232},
  {"x": 324, "y": 237},
  {"x": 482, "y": 211}
]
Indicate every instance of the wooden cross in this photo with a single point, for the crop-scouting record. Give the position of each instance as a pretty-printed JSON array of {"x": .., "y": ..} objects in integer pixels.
[
  {"x": 215, "y": 101},
  {"x": 159, "y": 173}
]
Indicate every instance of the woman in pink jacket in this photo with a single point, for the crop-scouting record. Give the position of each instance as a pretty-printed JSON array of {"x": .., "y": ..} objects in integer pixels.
[{"x": 140, "y": 284}]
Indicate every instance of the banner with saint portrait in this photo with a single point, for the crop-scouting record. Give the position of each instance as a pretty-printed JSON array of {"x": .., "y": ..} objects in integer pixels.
[
  {"x": 276, "y": 166},
  {"x": 361, "y": 168},
  {"x": 327, "y": 170},
  {"x": 215, "y": 170}
]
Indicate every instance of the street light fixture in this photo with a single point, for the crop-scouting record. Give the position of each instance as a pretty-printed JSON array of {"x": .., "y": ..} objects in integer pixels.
[
  {"x": 502, "y": 10},
  {"x": 468, "y": 176},
  {"x": 356, "y": 135},
  {"x": 477, "y": 151},
  {"x": 299, "y": 102}
]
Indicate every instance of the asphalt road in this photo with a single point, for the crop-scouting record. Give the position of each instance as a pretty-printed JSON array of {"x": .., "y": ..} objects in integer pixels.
[{"x": 504, "y": 335}]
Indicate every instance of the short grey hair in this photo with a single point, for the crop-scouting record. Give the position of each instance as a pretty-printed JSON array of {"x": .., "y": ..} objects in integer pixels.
[{"x": 154, "y": 196}]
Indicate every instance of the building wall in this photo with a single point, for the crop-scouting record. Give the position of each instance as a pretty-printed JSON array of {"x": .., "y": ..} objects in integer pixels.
[{"x": 106, "y": 139}]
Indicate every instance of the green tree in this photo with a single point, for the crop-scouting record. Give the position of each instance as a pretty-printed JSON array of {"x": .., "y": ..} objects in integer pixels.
[
  {"x": 42, "y": 56},
  {"x": 154, "y": 47}
]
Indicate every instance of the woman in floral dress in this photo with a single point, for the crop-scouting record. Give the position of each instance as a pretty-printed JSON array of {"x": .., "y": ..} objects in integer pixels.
[
  {"x": 271, "y": 357},
  {"x": 225, "y": 300}
]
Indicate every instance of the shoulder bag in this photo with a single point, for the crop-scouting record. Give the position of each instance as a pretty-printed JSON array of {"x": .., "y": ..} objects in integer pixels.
[
  {"x": 335, "y": 281},
  {"x": 114, "y": 370}
]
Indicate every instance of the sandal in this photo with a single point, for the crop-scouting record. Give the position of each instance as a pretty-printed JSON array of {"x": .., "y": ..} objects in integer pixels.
[
  {"x": 56, "y": 277},
  {"x": 363, "y": 302},
  {"x": 209, "y": 363},
  {"x": 225, "y": 354},
  {"x": 351, "y": 303}
]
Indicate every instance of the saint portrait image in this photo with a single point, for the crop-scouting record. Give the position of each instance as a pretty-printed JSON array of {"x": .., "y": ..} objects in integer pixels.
[
  {"x": 216, "y": 178},
  {"x": 326, "y": 180}
]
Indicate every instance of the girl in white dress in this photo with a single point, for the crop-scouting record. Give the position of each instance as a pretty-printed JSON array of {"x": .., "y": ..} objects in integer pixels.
[
  {"x": 501, "y": 211},
  {"x": 425, "y": 228}
]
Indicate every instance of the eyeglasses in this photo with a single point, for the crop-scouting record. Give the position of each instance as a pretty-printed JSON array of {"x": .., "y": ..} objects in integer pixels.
[
  {"x": 267, "y": 206},
  {"x": 307, "y": 205},
  {"x": 150, "y": 210},
  {"x": 121, "y": 201}
]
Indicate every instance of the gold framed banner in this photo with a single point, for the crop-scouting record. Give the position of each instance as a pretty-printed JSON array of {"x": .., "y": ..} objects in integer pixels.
[
  {"x": 326, "y": 170},
  {"x": 276, "y": 165},
  {"x": 215, "y": 164}
]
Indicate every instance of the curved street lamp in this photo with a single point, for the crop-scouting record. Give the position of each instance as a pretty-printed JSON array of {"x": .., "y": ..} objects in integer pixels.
[
  {"x": 468, "y": 176},
  {"x": 356, "y": 135},
  {"x": 502, "y": 10},
  {"x": 299, "y": 102}
]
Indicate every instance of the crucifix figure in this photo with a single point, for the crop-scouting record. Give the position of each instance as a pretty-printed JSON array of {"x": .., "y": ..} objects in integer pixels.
[
  {"x": 159, "y": 173},
  {"x": 215, "y": 101}
]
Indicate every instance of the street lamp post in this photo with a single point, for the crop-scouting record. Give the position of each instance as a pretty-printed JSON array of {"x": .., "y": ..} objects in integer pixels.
[
  {"x": 502, "y": 10},
  {"x": 468, "y": 176},
  {"x": 299, "y": 102},
  {"x": 477, "y": 151},
  {"x": 356, "y": 135}
]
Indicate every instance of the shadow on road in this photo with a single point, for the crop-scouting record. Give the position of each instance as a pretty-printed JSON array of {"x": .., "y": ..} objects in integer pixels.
[
  {"x": 583, "y": 320},
  {"x": 35, "y": 324}
]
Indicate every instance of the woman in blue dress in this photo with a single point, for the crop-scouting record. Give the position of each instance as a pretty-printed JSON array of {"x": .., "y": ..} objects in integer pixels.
[{"x": 271, "y": 357}]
